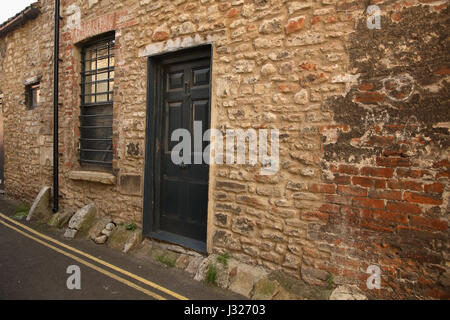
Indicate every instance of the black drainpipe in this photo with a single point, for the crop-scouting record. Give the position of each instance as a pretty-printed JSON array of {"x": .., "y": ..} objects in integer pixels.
[{"x": 55, "y": 110}]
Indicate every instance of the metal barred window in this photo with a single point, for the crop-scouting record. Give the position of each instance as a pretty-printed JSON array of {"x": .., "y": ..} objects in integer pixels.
[{"x": 96, "y": 119}]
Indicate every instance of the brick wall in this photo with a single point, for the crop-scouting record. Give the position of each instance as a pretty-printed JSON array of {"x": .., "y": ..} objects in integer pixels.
[{"x": 385, "y": 159}]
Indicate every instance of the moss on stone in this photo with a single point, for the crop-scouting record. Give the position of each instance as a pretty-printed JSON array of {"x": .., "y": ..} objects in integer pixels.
[
  {"x": 300, "y": 288},
  {"x": 118, "y": 238},
  {"x": 265, "y": 289},
  {"x": 168, "y": 258},
  {"x": 87, "y": 224}
]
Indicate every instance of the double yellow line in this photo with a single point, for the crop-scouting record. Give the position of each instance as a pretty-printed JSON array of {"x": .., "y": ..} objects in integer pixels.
[{"x": 90, "y": 265}]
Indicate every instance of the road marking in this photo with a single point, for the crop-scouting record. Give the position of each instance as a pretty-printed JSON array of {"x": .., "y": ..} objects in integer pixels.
[
  {"x": 88, "y": 264},
  {"x": 106, "y": 264}
]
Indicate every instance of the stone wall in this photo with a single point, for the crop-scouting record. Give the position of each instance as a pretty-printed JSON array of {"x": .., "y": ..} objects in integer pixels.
[
  {"x": 363, "y": 122},
  {"x": 27, "y": 53}
]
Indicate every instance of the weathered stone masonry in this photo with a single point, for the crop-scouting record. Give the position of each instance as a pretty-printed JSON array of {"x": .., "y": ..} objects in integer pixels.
[
  {"x": 26, "y": 53},
  {"x": 362, "y": 114}
]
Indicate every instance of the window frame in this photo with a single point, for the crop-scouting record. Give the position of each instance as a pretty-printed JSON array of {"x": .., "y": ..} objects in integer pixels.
[
  {"x": 29, "y": 95},
  {"x": 87, "y": 115}
]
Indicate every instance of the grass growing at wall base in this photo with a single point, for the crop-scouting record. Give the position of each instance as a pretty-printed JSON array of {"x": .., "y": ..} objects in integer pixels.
[
  {"x": 21, "y": 212},
  {"x": 223, "y": 259},
  {"x": 166, "y": 260},
  {"x": 131, "y": 226},
  {"x": 330, "y": 281},
  {"x": 211, "y": 275}
]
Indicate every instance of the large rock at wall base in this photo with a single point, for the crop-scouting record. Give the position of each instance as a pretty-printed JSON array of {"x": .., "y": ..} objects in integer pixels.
[
  {"x": 133, "y": 240},
  {"x": 193, "y": 265},
  {"x": 144, "y": 249},
  {"x": 70, "y": 233},
  {"x": 101, "y": 239},
  {"x": 243, "y": 277},
  {"x": 60, "y": 219},
  {"x": 283, "y": 294},
  {"x": 40, "y": 210},
  {"x": 79, "y": 218},
  {"x": 183, "y": 261},
  {"x": 222, "y": 275},
  {"x": 297, "y": 289},
  {"x": 265, "y": 289},
  {"x": 53, "y": 221},
  {"x": 347, "y": 292},
  {"x": 124, "y": 240},
  {"x": 82, "y": 221},
  {"x": 118, "y": 238},
  {"x": 314, "y": 277},
  {"x": 98, "y": 227}
]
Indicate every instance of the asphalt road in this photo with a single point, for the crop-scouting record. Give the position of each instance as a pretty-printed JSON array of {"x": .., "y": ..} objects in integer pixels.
[{"x": 31, "y": 270}]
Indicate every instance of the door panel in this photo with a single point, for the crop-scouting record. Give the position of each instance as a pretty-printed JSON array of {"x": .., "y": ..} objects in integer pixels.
[{"x": 184, "y": 188}]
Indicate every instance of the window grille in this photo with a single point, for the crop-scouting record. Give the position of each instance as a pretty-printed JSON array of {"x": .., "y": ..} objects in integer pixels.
[{"x": 96, "y": 117}]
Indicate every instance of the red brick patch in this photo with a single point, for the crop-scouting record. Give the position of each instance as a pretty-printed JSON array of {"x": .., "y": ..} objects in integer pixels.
[
  {"x": 348, "y": 169},
  {"x": 405, "y": 185},
  {"x": 352, "y": 190},
  {"x": 368, "y": 203},
  {"x": 378, "y": 172},
  {"x": 385, "y": 194},
  {"x": 322, "y": 188},
  {"x": 434, "y": 187},
  {"x": 404, "y": 207},
  {"x": 390, "y": 216},
  {"x": 420, "y": 198},
  {"x": 392, "y": 162},
  {"x": 435, "y": 224}
]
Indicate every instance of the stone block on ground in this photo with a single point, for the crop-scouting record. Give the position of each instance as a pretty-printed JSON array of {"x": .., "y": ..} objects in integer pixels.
[
  {"x": 183, "y": 261},
  {"x": 193, "y": 265},
  {"x": 70, "y": 233},
  {"x": 106, "y": 232},
  {"x": 53, "y": 221},
  {"x": 168, "y": 258},
  {"x": 98, "y": 227},
  {"x": 60, "y": 219},
  {"x": 110, "y": 226},
  {"x": 266, "y": 289},
  {"x": 133, "y": 240},
  {"x": 348, "y": 292},
  {"x": 222, "y": 277},
  {"x": 283, "y": 294},
  {"x": 181, "y": 250},
  {"x": 314, "y": 277},
  {"x": 144, "y": 249},
  {"x": 82, "y": 221},
  {"x": 123, "y": 239},
  {"x": 101, "y": 239},
  {"x": 40, "y": 210},
  {"x": 243, "y": 277},
  {"x": 78, "y": 219},
  {"x": 200, "y": 275},
  {"x": 296, "y": 289}
]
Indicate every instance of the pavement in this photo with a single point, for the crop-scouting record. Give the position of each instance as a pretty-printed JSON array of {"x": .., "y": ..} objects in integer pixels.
[{"x": 34, "y": 262}]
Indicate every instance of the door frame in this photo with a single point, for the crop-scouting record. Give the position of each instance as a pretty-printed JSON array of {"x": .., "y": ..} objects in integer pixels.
[
  {"x": 153, "y": 132},
  {"x": 2, "y": 146}
]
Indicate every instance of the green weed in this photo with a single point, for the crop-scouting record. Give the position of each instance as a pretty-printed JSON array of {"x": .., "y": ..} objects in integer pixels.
[{"x": 211, "y": 275}]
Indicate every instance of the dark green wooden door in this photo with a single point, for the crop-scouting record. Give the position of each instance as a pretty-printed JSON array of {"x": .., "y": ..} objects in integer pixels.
[
  {"x": 184, "y": 187},
  {"x": 176, "y": 193}
]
